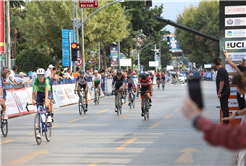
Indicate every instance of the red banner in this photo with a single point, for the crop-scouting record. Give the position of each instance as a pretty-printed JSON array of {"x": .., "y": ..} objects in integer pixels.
[
  {"x": 1, "y": 27},
  {"x": 88, "y": 3}
]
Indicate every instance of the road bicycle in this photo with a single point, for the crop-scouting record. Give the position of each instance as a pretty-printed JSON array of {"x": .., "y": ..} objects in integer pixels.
[
  {"x": 97, "y": 96},
  {"x": 158, "y": 83},
  {"x": 163, "y": 84},
  {"x": 131, "y": 98},
  {"x": 146, "y": 106},
  {"x": 4, "y": 123},
  {"x": 42, "y": 123},
  {"x": 82, "y": 105},
  {"x": 118, "y": 102}
]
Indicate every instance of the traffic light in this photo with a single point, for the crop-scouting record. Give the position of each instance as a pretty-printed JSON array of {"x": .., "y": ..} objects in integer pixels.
[
  {"x": 136, "y": 63},
  {"x": 74, "y": 48},
  {"x": 168, "y": 40},
  {"x": 148, "y": 3}
]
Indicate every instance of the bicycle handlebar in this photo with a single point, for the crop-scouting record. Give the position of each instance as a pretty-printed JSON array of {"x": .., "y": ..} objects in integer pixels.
[{"x": 38, "y": 104}]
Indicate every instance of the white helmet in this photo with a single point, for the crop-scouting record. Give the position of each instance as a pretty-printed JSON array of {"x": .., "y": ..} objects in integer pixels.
[{"x": 40, "y": 71}]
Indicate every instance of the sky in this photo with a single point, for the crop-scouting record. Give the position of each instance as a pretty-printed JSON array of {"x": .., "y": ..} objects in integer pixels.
[{"x": 172, "y": 8}]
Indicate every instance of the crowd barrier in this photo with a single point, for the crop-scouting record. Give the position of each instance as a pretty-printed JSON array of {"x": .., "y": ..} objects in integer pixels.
[{"x": 63, "y": 95}]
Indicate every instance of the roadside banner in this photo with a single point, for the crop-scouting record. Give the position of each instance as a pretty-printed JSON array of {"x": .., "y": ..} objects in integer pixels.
[
  {"x": 59, "y": 96},
  {"x": 29, "y": 92},
  {"x": 70, "y": 95},
  {"x": 11, "y": 106}
]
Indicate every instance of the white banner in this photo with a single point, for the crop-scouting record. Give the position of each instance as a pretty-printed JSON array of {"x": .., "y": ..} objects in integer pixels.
[
  {"x": 125, "y": 62},
  {"x": 230, "y": 79},
  {"x": 238, "y": 21},
  {"x": 70, "y": 95},
  {"x": 235, "y": 33},
  {"x": 232, "y": 103},
  {"x": 232, "y": 10},
  {"x": 21, "y": 98},
  {"x": 233, "y": 112},
  {"x": 109, "y": 85},
  {"x": 169, "y": 67},
  {"x": 229, "y": 45},
  {"x": 29, "y": 92},
  {"x": 59, "y": 96},
  {"x": 236, "y": 56},
  {"x": 230, "y": 69},
  {"x": 11, "y": 106},
  {"x": 233, "y": 91},
  {"x": 207, "y": 66},
  {"x": 153, "y": 63}
]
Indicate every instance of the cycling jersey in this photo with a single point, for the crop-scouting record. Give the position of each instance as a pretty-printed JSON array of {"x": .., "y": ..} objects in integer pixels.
[
  {"x": 163, "y": 76},
  {"x": 96, "y": 79},
  {"x": 41, "y": 85},
  {"x": 1, "y": 86},
  {"x": 147, "y": 83},
  {"x": 130, "y": 83},
  {"x": 118, "y": 82},
  {"x": 81, "y": 81},
  {"x": 158, "y": 75}
]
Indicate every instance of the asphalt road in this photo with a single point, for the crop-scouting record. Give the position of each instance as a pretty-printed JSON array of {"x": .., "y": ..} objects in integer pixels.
[{"x": 102, "y": 138}]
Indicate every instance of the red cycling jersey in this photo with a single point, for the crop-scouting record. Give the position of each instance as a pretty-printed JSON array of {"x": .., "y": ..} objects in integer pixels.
[
  {"x": 147, "y": 83},
  {"x": 163, "y": 76},
  {"x": 158, "y": 75}
]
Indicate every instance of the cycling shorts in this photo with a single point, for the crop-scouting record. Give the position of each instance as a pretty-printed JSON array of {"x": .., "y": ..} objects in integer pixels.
[
  {"x": 158, "y": 78},
  {"x": 82, "y": 86},
  {"x": 41, "y": 96},
  {"x": 144, "y": 89},
  {"x": 4, "y": 94},
  {"x": 117, "y": 87},
  {"x": 51, "y": 92},
  {"x": 129, "y": 87},
  {"x": 96, "y": 84}
]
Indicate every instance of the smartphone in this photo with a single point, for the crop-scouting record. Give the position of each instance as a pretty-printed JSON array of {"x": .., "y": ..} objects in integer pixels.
[{"x": 195, "y": 91}]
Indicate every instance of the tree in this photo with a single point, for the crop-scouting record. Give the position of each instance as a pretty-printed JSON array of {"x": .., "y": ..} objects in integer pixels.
[
  {"x": 45, "y": 20},
  {"x": 204, "y": 18}
]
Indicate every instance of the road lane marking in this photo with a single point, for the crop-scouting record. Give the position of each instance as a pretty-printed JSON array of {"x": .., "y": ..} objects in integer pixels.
[
  {"x": 169, "y": 116},
  {"x": 177, "y": 110},
  {"x": 124, "y": 116},
  {"x": 30, "y": 133},
  {"x": 154, "y": 126},
  {"x": 177, "y": 96},
  {"x": 25, "y": 159},
  {"x": 203, "y": 84},
  {"x": 54, "y": 126},
  {"x": 5, "y": 142},
  {"x": 127, "y": 143},
  {"x": 126, "y": 103},
  {"x": 103, "y": 111},
  {"x": 77, "y": 119},
  {"x": 93, "y": 164},
  {"x": 187, "y": 156}
]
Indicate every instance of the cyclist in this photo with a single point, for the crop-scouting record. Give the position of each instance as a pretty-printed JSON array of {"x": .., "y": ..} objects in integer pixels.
[
  {"x": 129, "y": 84},
  {"x": 42, "y": 86},
  {"x": 163, "y": 79},
  {"x": 3, "y": 98},
  {"x": 146, "y": 84},
  {"x": 96, "y": 82},
  {"x": 118, "y": 84},
  {"x": 81, "y": 82},
  {"x": 158, "y": 78}
]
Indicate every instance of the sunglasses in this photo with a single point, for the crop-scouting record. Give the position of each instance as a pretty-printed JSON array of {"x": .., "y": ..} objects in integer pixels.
[{"x": 40, "y": 76}]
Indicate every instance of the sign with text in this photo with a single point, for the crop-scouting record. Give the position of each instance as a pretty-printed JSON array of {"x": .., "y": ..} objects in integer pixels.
[
  {"x": 230, "y": 69},
  {"x": 229, "y": 45},
  {"x": 233, "y": 10},
  {"x": 92, "y": 56},
  {"x": 88, "y": 3},
  {"x": 236, "y": 56},
  {"x": 235, "y": 33},
  {"x": 114, "y": 56},
  {"x": 238, "y": 21}
]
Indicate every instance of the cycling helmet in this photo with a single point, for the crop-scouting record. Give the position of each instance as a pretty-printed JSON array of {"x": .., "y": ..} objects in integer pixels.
[
  {"x": 129, "y": 77},
  {"x": 41, "y": 71},
  {"x": 81, "y": 72},
  {"x": 119, "y": 73},
  {"x": 141, "y": 72},
  {"x": 95, "y": 71},
  {"x": 143, "y": 76}
]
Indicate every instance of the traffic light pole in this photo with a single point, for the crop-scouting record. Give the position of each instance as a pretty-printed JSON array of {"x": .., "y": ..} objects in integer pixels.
[{"x": 70, "y": 57}]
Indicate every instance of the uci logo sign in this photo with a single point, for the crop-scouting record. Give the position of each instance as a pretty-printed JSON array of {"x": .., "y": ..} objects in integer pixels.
[{"x": 236, "y": 45}]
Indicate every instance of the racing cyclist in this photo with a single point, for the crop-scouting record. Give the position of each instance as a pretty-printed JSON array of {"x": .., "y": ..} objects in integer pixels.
[
  {"x": 96, "y": 82},
  {"x": 81, "y": 82},
  {"x": 158, "y": 78},
  {"x": 3, "y": 99},
  {"x": 41, "y": 87},
  {"x": 163, "y": 79},
  {"x": 146, "y": 84},
  {"x": 129, "y": 84},
  {"x": 118, "y": 84}
]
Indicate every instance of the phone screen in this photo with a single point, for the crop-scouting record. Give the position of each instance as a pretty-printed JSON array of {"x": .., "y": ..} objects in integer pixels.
[{"x": 195, "y": 91}]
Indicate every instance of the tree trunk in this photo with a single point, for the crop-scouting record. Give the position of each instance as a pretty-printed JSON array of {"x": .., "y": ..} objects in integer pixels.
[{"x": 104, "y": 58}]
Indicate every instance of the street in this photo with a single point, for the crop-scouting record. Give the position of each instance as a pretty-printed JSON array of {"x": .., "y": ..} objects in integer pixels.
[{"x": 102, "y": 138}]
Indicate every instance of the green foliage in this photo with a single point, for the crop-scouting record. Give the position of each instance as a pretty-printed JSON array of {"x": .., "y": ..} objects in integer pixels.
[
  {"x": 18, "y": 3},
  {"x": 204, "y": 18},
  {"x": 30, "y": 59}
]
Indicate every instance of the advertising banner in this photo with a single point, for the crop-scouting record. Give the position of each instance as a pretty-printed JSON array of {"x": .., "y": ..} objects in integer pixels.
[
  {"x": 233, "y": 91},
  {"x": 235, "y": 33},
  {"x": 92, "y": 56},
  {"x": 232, "y": 103},
  {"x": 230, "y": 69},
  {"x": 114, "y": 56},
  {"x": 230, "y": 79},
  {"x": 29, "y": 92},
  {"x": 236, "y": 56},
  {"x": 229, "y": 45},
  {"x": 231, "y": 112},
  {"x": 11, "y": 106},
  {"x": 21, "y": 97},
  {"x": 71, "y": 97},
  {"x": 238, "y": 21},
  {"x": 1, "y": 28},
  {"x": 234, "y": 10},
  {"x": 59, "y": 96}
]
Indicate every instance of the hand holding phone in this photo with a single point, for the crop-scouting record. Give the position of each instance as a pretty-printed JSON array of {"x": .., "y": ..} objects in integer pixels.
[{"x": 195, "y": 91}]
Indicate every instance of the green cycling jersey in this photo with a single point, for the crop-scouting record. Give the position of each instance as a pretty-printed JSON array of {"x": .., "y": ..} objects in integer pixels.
[{"x": 41, "y": 85}]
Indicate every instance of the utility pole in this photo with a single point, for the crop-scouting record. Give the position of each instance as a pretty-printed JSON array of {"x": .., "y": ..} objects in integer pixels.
[
  {"x": 159, "y": 52},
  {"x": 119, "y": 53},
  {"x": 155, "y": 58},
  {"x": 82, "y": 43},
  {"x": 137, "y": 53},
  {"x": 98, "y": 55},
  {"x": 77, "y": 33},
  {"x": 8, "y": 36}
]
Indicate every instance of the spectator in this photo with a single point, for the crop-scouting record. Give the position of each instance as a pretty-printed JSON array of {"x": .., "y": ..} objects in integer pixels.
[
  {"x": 30, "y": 73},
  {"x": 69, "y": 75},
  {"x": 11, "y": 77},
  {"x": 240, "y": 68},
  {"x": 61, "y": 76},
  {"x": 48, "y": 72},
  {"x": 87, "y": 73},
  {"x": 223, "y": 88},
  {"x": 5, "y": 75},
  {"x": 34, "y": 74},
  {"x": 91, "y": 71},
  {"x": 76, "y": 74},
  {"x": 20, "y": 79}
]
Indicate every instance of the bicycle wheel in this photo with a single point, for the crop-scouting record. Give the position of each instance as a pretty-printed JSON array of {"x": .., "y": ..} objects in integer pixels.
[
  {"x": 4, "y": 125},
  {"x": 48, "y": 130},
  {"x": 38, "y": 128},
  {"x": 144, "y": 108},
  {"x": 158, "y": 85},
  {"x": 80, "y": 105},
  {"x": 118, "y": 105},
  {"x": 96, "y": 97}
]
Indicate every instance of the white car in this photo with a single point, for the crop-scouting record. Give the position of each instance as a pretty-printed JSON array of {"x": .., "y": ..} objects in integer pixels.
[{"x": 182, "y": 79}]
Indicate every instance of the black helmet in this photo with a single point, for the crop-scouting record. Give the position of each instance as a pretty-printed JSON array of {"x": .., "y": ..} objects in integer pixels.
[
  {"x": 143, "y": 76},
  {"x": 119, "y": 73},
  {"x": 129, "y": 77}
]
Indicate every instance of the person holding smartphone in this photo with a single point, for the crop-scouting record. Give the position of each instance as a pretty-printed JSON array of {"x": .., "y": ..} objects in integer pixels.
[{"x": 223, "y": 88}]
